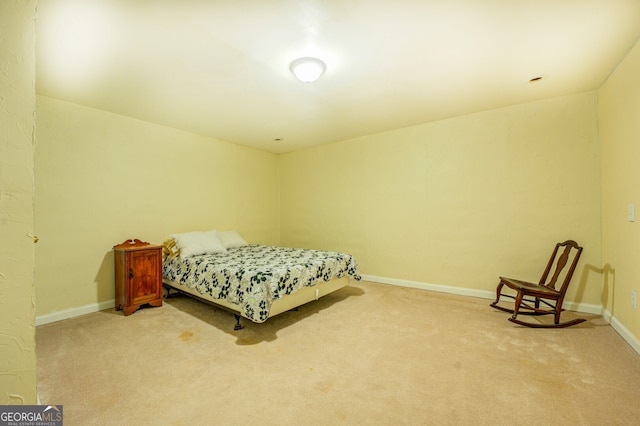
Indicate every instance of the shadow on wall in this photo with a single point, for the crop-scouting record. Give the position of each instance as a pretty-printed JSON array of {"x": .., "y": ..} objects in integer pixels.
[
  {"x": 104, "y": 279},
  {"x": 608, "y": 274}
]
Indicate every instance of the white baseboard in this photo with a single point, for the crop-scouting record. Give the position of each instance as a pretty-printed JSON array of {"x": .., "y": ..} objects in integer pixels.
[
  {"x": 484, "y": 294},
  {"x": 572, "y": 306},
  {"x": 431, "y": 287},
  {"x": 587, "y": 308},
  {"x": 74, "y": 312},
  {"x": 623, "y": 332}
]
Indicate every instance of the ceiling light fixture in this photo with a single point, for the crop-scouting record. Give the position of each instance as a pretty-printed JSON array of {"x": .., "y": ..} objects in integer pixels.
[{"x": 307, "y": 69}]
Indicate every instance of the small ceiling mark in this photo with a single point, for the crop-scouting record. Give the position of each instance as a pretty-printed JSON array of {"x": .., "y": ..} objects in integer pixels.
[
  {"x": 534, "y": 79},
  {"x": 278, "y": 139}
]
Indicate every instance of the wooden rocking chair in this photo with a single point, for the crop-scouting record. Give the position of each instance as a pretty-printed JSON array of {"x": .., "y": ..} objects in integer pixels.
[{"x": 545, "y": 292}]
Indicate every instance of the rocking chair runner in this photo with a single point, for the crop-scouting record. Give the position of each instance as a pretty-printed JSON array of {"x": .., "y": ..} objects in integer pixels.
[{"x": 545, "y": 292}]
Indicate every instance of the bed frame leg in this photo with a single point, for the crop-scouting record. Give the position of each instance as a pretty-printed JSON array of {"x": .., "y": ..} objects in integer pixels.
[
  {"x": 166, "y": 289},
  {"x": 238, "y": 326}
]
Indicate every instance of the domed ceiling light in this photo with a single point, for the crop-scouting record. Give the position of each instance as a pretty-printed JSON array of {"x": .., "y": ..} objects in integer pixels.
[{"x": 307, "y": 69}]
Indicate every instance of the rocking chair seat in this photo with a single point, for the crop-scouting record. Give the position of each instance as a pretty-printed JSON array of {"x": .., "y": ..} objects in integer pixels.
[
  {"x": 529, "y": 296},
  {"x": 530, "y": 288}
]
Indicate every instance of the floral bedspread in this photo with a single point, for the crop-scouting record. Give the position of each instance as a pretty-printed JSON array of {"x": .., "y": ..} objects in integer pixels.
[{"x": 254, "y": 276}]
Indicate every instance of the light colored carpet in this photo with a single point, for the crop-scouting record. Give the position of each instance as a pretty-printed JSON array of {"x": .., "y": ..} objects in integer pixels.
[{"x": 368, "y": 354}]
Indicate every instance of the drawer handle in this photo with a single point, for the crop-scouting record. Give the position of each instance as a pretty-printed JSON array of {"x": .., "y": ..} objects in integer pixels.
[{"x": 130, "y": 272}]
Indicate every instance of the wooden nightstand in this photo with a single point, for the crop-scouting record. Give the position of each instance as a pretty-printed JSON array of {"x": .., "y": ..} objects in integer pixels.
[{"x": 138, "y": 270}]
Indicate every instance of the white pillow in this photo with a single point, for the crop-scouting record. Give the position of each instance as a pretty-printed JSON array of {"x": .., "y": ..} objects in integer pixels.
[
  {"x": 194, "y": 243},
  {"x": 231, "y": 239}
]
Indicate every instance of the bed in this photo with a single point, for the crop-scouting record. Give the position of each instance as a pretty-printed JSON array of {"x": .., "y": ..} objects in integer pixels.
[{"x": 252, "y": 281}]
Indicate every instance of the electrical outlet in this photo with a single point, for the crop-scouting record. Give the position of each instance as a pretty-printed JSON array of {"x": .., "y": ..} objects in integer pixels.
[{"x": 634, "y": 299}]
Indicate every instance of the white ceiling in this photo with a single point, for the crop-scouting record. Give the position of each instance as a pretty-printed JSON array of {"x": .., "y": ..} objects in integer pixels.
[{"x": 221, "y": 67}]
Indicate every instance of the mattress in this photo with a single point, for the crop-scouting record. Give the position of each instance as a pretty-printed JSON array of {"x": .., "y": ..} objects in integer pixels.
[{"x": 252, "y": 278}]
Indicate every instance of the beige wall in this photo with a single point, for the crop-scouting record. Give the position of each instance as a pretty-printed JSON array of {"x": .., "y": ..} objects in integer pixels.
[
  {"x": 17, "y": 292},
  {"x": 619, "y": 112},
  {"x": 456, "y": 202},
  {"x": 102, "y": 178}
]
